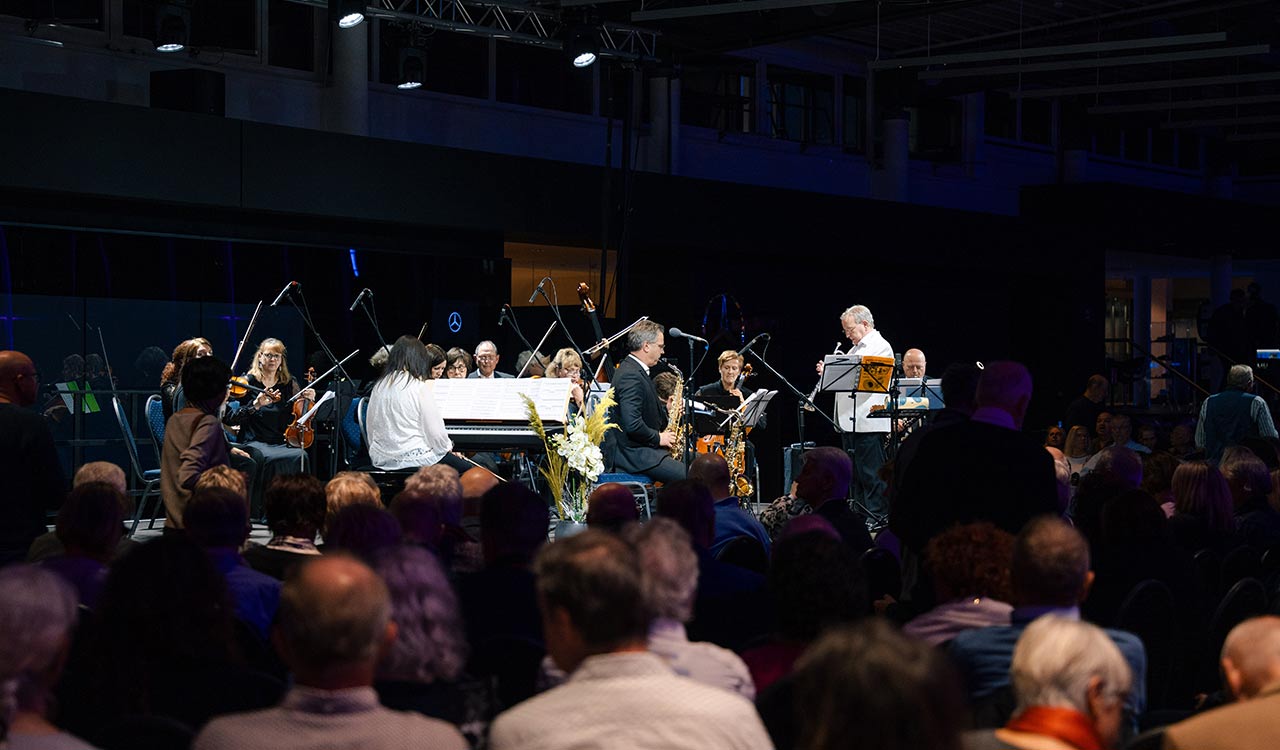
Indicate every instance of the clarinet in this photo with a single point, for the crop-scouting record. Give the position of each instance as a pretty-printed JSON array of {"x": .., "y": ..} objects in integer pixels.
[{"x": 808, "y": 405}]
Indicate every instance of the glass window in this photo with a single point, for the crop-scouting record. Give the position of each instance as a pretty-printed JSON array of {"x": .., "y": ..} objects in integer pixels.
[{"x": 539, "y": 77}]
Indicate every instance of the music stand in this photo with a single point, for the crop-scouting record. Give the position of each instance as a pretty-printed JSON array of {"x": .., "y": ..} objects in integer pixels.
[{"x": 859, "y": 374}]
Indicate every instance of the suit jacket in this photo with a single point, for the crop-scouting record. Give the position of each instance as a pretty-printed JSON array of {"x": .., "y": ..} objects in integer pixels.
[
  {"x": 1238, "y": 726},
  {"x": 973, "y": 471},
  {"x": 640, "y": 417},
  {"x": 496, "y": 374}
]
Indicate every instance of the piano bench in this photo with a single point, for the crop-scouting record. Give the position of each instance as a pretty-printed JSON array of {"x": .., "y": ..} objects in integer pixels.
[
  {"x": 390, "y": 482},
  {"x": 640, "y": 485}
]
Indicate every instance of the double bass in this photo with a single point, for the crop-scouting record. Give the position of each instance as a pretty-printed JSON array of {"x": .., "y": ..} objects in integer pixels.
[{"x": 589, "y": 309}]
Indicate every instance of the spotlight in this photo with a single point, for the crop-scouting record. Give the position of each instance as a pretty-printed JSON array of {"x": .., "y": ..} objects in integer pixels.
[
  {"x": 172, "y": 34},
  {"x": 347, "y": 13},
  {"x": 583, "y": 46},
  {"x": 413, "y": 65}
]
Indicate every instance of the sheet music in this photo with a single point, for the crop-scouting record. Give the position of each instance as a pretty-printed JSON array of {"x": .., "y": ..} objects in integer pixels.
[
  {"x": 754, "y": 407},
  {"x": 498, "y": 399},
  {"x": 328, "y": 395}
]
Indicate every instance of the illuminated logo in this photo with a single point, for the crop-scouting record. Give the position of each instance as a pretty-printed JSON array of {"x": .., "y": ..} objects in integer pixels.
[{"x": 455, "y": 322}]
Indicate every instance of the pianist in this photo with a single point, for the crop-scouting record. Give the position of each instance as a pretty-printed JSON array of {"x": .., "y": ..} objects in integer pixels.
[{"x": 405, "y": 427}]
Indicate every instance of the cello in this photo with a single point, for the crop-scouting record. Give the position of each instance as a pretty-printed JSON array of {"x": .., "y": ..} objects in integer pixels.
[{"x": 589, "y": 309}]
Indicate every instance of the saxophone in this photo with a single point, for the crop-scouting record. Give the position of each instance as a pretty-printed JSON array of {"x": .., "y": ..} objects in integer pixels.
[
  {"x": 675, "y": 413},
  {"x": 735, "y": 454}
]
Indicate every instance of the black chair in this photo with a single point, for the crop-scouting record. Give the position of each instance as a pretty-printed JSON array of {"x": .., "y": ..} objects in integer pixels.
[
  {"x": 145, "y": 733},
  {"x": 1271, "y": 567},
  {"x": 1240, "y": 563},
  {"x": 1207, "y": 563},
  {"x": 1247, "y": 598},
  {"x": 512, "y": 663},
  {"x": 1152, "y": 739},
  {"x": 1148, "y": 612},
  {"x": 745, "y": 552},
  {"x": 883, "y": 574}
]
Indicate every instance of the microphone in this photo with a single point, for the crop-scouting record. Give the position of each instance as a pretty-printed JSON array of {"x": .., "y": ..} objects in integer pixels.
[
  {"x": 897, "y": 364},
  {"x": 751, "y": 343},
  {"x": 537, "y": 291},
  {"x": 676, "y": 333},
  {"x": 360, "y": 297},
  {"x": 502, "y": 316},
  {"x": 285, "y": 291}
]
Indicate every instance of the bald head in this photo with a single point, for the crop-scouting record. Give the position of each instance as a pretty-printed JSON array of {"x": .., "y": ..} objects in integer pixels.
[
  {"x": 825, "y": 475},
  {"x": 610, "y": 507},
  {"x": 711, "y": 471},
  {"x": 913, "y": 363},
  {"x": 1005, "y": 386},
  {"x": 1251, "y": 656},
  {"x": 17, "y": 379},
  {"x": 334, "y": 622}
]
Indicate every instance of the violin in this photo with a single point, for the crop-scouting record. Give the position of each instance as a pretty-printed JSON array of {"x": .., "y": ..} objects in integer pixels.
[
  {"x": 238, "y": 387},
  {"x": 301, "y": 434},
  {"x": 589, "y": 309}
]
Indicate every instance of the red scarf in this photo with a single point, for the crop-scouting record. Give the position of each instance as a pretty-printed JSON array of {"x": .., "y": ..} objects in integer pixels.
[{"x": 1066, "y": 724}]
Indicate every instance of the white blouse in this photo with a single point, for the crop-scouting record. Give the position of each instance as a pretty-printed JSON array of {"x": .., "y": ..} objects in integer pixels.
[{"x": 405, "y": 427}]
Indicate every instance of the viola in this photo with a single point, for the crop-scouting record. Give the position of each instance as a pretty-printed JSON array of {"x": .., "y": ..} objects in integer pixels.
[{"x": 301, "y": 434}]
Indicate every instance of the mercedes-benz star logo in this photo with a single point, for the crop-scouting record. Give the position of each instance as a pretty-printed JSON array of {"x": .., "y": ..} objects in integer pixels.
[{"x": 455, "y": 322}]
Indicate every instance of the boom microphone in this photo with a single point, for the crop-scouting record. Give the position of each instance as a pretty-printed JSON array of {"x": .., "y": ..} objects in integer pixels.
[
  {"x": 534, "y": 296},
  {"x": 360, "y": 297},
  {"x": 283, "y": 292},
  {"x": 676, "y": 333},
  {"x": 751, "y": 343}
]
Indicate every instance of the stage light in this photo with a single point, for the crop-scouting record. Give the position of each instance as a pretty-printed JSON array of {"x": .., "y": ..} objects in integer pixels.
[
  {"x": 347, "y": 13},
  {"x": 172, "y": 35},
  {"x": 413, "y": 66},
  {"x": 583, "y": 46}
]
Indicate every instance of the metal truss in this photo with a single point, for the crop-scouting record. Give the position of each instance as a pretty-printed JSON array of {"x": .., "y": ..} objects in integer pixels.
[{"x": 526, "y": 24}]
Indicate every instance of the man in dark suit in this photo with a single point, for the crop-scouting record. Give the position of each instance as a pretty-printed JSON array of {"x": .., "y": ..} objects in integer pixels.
[
  {"x": 983, "y": 469},
  {"x": 487, "y": 362},
  {"x": 641, "y": 444}
]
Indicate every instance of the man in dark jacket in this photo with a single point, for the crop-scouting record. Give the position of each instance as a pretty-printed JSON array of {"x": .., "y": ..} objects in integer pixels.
[{"x": 642, "y": 442}]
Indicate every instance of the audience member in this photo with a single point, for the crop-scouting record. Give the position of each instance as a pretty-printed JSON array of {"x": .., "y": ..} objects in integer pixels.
[
  {"x": 980, "y": 470},
  {"x": 1251, "y": 670},
  {"x": 335, "y": 625},
  {"x": 1182, "y": 442},
  {"x": 1122, "y": 434},
  {"x": 295, "y": 505},
  {"x": 1115, "y": 470},
  {"x": 670, "y": 576},
  {"x": 821, "y": 487},
  {"x": 1050, "y": 574},
  {"x": 732, "y": 520},
  {"x": 1257, "y": 523},
  {"x": 1102, "y": 431},
  {"x": 441, "y": 487},
  {"x": 1157, "y": 477},
  {"x": 225, "y": 477},
  {"x": 1076, "y": 450},
  {"x": 363, "y": 530},
  {"x": 217, "y": 519},
  {"x": 419, "y": 519},
  {"x": 89, "y": 526},
  {"x": 1148, "y": 436},
  {"x": 1232, "y": 415},
  {"x": 348, "y": 488},
  {"x": 1069, "y": 682},
  {"x": 1086, "y": 408},
  {"x": 610, "y": 507},
  {"x": 618, "y": 693},
  {"x": 193, "y": 437},
  {"x": 37, "y": 615},
  {"x": 969, "y": 568},
  {"x": 28, "y": 461},
  {"x": 1203, "y": 515},
  {"x": 959, "y": 389},
  {"x": 48, "y": 545}
]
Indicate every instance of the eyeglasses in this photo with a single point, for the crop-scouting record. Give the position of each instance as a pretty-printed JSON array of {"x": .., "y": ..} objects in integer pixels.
[
  {"x": 272, "y": 355},
  {"x": 486, "y": 357}
]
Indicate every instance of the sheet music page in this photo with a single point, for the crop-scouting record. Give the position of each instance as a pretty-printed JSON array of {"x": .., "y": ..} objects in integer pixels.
[
  {"x": 328, "y": 395},
  {"x": 498, "y": 400}
]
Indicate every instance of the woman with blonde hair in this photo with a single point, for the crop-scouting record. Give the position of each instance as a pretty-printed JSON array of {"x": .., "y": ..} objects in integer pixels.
[{"x": 568, "y": 364}]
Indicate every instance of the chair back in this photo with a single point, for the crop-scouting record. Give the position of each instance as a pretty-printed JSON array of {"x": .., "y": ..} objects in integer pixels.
[
  {"x": 1240, "y": 563},
  {"x": 362, "y": 412},
  {"x": 1149, "y": 613},
  {"x": 155, "y": 420},
  {"x": 745, "y": 552},
  {"x": 1207, "y": 564},
  {"x": 140, "y": 732},
  {"x": 883, "y": 573},
  {"x": 130, "y": 442},
  {"x": 352, "y": 430},
  {"x": 1247, "y": 598}
]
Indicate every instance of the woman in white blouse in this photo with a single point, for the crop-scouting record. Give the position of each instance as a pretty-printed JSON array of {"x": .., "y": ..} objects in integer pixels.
[{"x": 405, "y": 427}]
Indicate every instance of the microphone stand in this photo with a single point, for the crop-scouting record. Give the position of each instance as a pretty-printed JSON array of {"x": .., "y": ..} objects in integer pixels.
[
  {"x": 373, "y": 320},
  {"x": 515, "y": 326},
  {"x": 689, "y": 437},
  {"x": 804, "y": 399},
  {"x": 587, "y": 372},
  {"x": 335, "y": 440}
]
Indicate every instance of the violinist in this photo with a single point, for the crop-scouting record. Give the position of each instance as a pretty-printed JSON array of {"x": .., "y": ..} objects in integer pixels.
[
  {"x": 404, "y": 425},
  {"x": 568, "y": 364},
  {"x": 264, "y": 414},
  {"x": 171, "y": 392}
]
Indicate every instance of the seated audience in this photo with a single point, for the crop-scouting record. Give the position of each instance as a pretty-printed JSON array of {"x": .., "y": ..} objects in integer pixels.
[
  {"x": 349, "y": 488},
  {"x": 1182, "y": 443},
  {"x": 1050, "y": 574},
  {"x": 89, "y": 526},
  {"x": 1203, "y": 512},
  {"x": 670, "y": 583},
  {"x": 732, "y": 520},
  {"x": 1069, "y": 683},
  {"x": 610, "y": 507},
  {"x": 217, "y": 519},
  {"x": 1116, "y": 470},
  {"x": 47, "y": 545},
  {"x": 295, "y": 505},
  {"x": 363, "y": 530},
  {"x": 821, "y": 487},
  {"x": 475, "y": 481},
  {"x": 37, "y": 616},
  {"x": 441, "y": 486},
  {"x": 1257, "y": 523},
  {"x": 1251, "y": 670},
  {"x": 29, "y": 462},
  {"x": 193, "y": 438},
  {"x": 1157, "y": 477},
  {"x": 335, "y": 624},
  {"x": 618, "y": 694},
  {"x": 969, "y": 568},
  {"x": 1076, "y": 451}
]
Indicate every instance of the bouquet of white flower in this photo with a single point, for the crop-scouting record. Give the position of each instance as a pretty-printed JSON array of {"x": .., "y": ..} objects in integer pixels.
[{"x": 574, "y": 460}]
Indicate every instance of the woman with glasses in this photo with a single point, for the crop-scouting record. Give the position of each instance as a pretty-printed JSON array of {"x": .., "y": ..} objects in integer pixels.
[
  {"x": 568, "y": 364},
  {"x": 264, "y": 414},
  {"x": 457, "y": 363}
]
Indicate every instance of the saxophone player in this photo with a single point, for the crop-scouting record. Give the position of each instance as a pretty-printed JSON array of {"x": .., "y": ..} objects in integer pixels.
[{"x": 642, "y": 442}]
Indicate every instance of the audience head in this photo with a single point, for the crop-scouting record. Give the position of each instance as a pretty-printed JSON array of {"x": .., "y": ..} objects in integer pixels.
[
  {"x": 970, "y": 560},
  {"x": 1054, "y": 437},
  {"x": 960, "y": 386},
  {"x": 1064, "y": 663},
  {"x": 1148, "y": 436},
  {"x": 809, "y": 523},
  {"x": 215, "y": 517},
  {"x": 1182, "y": 437},
  {"x": 1096, "y": 388},
  {"x": 1120, "y": 464},
  {"x": 89, "y": 521},
  {"x": 441, "y": 485},
  {"x": 513, "y": 525},
  {"x": 457, "y": 363},
  {"x": 349, "y": 488},
  {"x": 101, "y": 471},
  {"x": 37, "y": 614},
  {"x": 814, "y": 582},
  {"x": 1240, "y": 377},
  {"x": 825, "y": 475},
  {"x": 295, "y": 505},
  {"x": 1102, "y": 426},
  {"x": 1050, "y": 565},
  {"x": 487, "y": 358},
  {"x": 188, "y": 350},
  {"x": 204, "y": 383},
  {"x": 1132, "y": 518},
  {"x": 610, "y": 507},
  {"x": 225, "y": 477},
  {"x": 1005, "y": 386},
  {"x": 408, "y": 357},
  {"x": 690, "y": 504},
  {"x": 868, "y": 687},
  {"x": 711, "y": 471},
  {"x": 1200, "y": 490},
  {"x": 476, "y": 481},
  {"x": 1077, "y": 442},
  {"x": 1121, "y": 429},
  {"x": 334, "y": 623},
  {"x": 1251, "y": 657},
  {"x": 591, "y": 594},
  {"x": 19, "y": 381},
  {"x": 1246, "y": 474},
  {"x": 419, "y": 517},
  {"x": 1157, "y": 472},
  {"x": 430, "y": 644},
  {"x": 363, "y": 530},
  {"x": 670, "y": 568}
]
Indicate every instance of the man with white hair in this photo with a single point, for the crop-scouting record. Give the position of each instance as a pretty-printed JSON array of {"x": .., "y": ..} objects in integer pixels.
[
  {"x": 1069, "y": 681},
  {"x": 487, "y": 362},
  {"x": 983, "y": 469},
  {"x": 1235, "y": 413},
  {"x": 1251, "y": 670}
]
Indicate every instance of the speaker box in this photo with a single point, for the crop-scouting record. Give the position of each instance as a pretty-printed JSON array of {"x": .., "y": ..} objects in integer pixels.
[{"x": 189, "y": 90}]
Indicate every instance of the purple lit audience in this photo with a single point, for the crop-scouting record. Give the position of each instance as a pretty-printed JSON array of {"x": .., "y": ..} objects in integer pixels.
[
  {"x": 295, "y": 505},
  {"x": 969, "y": 567}
]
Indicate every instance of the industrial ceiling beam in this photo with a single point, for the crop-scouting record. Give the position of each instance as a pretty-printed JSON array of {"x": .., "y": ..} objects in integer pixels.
[
  {"x": 724, "y": 9},
  {"x": 1219, "y": 122},
  {"x": 1101, "y": 62},
  {"x": 1228, "y": 101},
  {"x": 1253, "y": 137},
  {"x": 1061, "y": 49},
  {"x": 1167, "y": 83}
]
